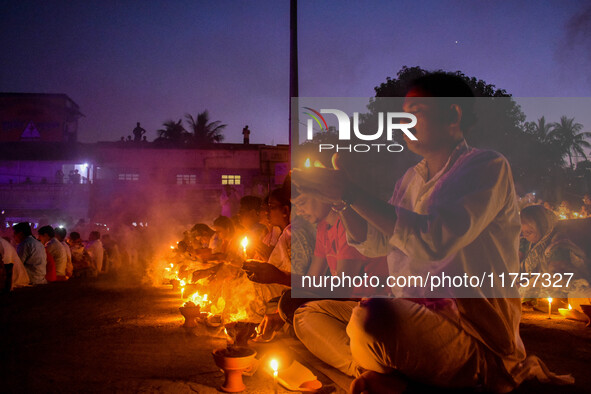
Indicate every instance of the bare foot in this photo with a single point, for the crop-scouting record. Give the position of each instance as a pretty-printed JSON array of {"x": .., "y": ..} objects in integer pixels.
[{"x": 372, "y": 382}]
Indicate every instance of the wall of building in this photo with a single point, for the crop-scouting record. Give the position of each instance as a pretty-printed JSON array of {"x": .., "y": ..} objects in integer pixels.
[
  {"x": 38, "y": 117},
  {"x": 129, "y": 183}
]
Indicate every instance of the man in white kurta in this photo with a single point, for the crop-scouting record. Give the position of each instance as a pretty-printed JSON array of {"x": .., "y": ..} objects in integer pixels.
[
  {"x": 95, "y": 249},
  {"x": 454, "y": 212},
  {"x": 10, "y": 256}
]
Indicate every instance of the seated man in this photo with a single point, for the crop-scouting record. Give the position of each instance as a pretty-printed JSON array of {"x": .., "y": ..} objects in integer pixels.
[
  {"x": 31, "y": 252},
  {"x": 455, "y": 211},
  {"x": 60, "y": 235},
  {"x": 276, "y": 272},
  {"x": 81, "y": 260},
  {"x": 56, "y": 250},
  {"x": 16, "y": 274},
  {"x": 95, "y": 250}
]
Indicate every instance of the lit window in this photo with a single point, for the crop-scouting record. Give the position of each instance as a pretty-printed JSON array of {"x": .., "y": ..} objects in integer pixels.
[
  {"x": 186, "y": 179},
  {"x": 230, "y": 179},
  {"x": 129, "y": 177}
]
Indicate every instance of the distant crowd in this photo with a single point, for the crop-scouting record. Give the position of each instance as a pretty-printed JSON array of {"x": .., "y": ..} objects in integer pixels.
[{"x": 53, "y": 256}]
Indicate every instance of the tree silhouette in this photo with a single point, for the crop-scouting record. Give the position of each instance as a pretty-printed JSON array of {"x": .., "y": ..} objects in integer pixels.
[
  {"x": 536, "y": 150},
  {"x": 173, "y": 132},
  {"x": 205, "y": 132},
  {"x": 540, "y": 129},
  {"x": 572, "y": 141}
]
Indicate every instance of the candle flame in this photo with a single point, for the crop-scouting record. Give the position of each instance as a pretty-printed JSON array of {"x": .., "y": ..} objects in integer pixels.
[
  {"x": 307, "y": 163},
  {"x": 244, "y": 243},
  {"x": 171, "y": 247},
  {"x": 549, "y": 300},
  {"x": 198, "y": 299},
  {"x": 274, "y": 365},
  {"x": 570, "y": 307}
]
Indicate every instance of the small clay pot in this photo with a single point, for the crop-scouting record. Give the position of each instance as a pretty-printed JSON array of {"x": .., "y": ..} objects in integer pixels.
[
  {"x": 234, "y": 361},
  {"x": 190, "y": 313}
]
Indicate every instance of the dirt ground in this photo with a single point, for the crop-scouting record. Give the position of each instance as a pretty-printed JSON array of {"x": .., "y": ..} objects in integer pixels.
[{"x": 101, "y": 336}]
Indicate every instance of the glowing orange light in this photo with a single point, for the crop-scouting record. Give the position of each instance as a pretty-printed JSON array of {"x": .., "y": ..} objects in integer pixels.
[
  {"x": 307, "y": 163},
  {"x": 274, "y": 365},
  {"x": 244, "y": 244}
]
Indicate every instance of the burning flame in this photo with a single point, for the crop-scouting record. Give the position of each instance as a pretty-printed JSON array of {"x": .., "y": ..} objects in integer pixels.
[
  {"x": 244, "y": 244},
  {"x": 307, "y": 163},
  {"x": 570, "y": 307},
  {"x": 198, "y": 299},
  {"x": 218, "y": 307},
  {"x": 550, "y": 300},
  {"x": 318, "y": 164},
  {"x": 241, "y": 315},
  {"x": 563, "y": 213},
  {"x": 274, "y": 365},
  {"x": 171, "y": 247}
]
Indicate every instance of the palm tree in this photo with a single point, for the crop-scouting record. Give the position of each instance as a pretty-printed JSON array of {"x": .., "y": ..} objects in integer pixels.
[
  {"x": 568, "y": 134},
  {"x": 540, "y": 129},
  {"x": 173, "y": 132},
  {"x": 204, "y": 131}
]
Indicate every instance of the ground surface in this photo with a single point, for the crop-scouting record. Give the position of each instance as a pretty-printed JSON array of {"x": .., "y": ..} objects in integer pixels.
[{"x": 100, "y": 336}]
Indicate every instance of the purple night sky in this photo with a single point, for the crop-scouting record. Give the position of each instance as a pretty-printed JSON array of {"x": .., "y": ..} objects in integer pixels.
[{"x": 149, "y": 61}]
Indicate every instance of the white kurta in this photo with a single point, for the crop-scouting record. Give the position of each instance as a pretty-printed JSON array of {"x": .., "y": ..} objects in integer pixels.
[
  {"x": 10, "y": 256},
  {"x": 96, "y": 252},
  {"x": 465, "y": 219}
]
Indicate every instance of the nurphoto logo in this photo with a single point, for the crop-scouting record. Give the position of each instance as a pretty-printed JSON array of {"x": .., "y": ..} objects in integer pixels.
[{"x": 344, "y": 130}]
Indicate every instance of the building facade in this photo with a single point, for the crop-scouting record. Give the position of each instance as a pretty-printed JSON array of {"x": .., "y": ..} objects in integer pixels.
[{"x": 128, "y": 182}]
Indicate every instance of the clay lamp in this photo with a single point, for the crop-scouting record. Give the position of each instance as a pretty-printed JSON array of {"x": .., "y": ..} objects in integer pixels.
[
  {"x": 237, "y": 357},
  {"x": 234, "y": 360},
  {"x": 190, "y": 312}
]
